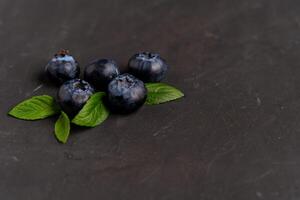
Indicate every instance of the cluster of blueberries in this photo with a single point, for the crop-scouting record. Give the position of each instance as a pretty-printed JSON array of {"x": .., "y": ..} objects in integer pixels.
[{"x": 125, "y": 92}]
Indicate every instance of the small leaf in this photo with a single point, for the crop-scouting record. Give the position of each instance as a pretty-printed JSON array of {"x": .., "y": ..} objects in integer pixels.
[
  {"x": 37, "y": 107},
  {"x": 160, "y": 93},
  {"x": 93, "y": 112},
  {"x": 62, "y": 127}
]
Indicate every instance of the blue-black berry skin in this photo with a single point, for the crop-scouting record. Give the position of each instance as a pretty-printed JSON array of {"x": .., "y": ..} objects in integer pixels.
[
  {"x": 126, "y": 94},
  {"x": 149, "y": 67},
  {"x": 100, "y": 72},
  {"x": 73, "y": 94},
  {"x": 62, "y": 67}
]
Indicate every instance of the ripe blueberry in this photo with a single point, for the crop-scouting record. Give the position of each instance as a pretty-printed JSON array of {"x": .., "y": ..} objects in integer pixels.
[
  {"x": 101, "y": 72},
  {"x": 126, "y": 93},
  {"x": 73, "y": 94},
  {"x": 149, "y": 67},
  {"x": 62, "y": 67}
]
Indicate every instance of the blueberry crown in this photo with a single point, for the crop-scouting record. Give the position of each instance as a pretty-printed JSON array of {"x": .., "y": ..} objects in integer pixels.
[
  {"x": 62, "y": 52},
  {"x": 147, "y": 55}
]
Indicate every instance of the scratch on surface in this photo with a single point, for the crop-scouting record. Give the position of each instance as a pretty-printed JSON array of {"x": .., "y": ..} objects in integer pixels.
[
  {"x": 164, "y": 128},
  {"x": 219, "y": 155},
  {"x": 261, "y": 176},
  {"x": 37, "y": 88},
  {"x": 195, "y": 77},
  {"x": 211, "y": 35},
  {"x": 259, "y": 194},
  {"x": 15, "y": 158},
  {"x": 258, "y": 101},
  {"x": 150, "y": 175}
]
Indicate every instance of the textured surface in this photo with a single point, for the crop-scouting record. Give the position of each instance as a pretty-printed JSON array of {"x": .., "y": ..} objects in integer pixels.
[{"x": 235, "y": 135}]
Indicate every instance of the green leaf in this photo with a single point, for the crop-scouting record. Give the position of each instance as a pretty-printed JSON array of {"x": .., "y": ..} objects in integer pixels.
[
  {"x": 37, "y": 107},
  {"x": 160, "y": 93},
  {"x": 93, "y": 112},
  {"x": 62, "y": 127}
]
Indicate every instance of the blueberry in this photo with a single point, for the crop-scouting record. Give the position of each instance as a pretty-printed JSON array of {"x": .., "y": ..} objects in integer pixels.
[
  {"x": 73, "y": 94},
  {"x": 126, "y": 93},
  {"x": 62, "y": 67},
  {"x": 99, "y": 73},
  {"x": 149, "y": 67}
]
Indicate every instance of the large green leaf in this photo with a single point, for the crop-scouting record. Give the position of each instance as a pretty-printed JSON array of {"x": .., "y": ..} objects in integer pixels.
[
  {"x": 37, "y": 107},
  {"x": 93, "y": 113},
  {"x": 62, "y": 128},
  {"x": 160, "y": 93}
]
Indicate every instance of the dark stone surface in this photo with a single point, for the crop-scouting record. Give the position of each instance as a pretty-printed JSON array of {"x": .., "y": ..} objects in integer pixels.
[{"x": 235, "y": 135}]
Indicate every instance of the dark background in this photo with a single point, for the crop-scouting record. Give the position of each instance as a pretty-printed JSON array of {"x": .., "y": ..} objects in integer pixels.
[{"x": 234, "y": 136}]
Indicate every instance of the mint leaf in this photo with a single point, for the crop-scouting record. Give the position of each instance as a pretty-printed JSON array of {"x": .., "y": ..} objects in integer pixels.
[
  {"x": 37, "y": 107},
  {"x": 62, "y": 127},
  {"x": 93, "y": 112},
  {"x": 160, "y": 93}
]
